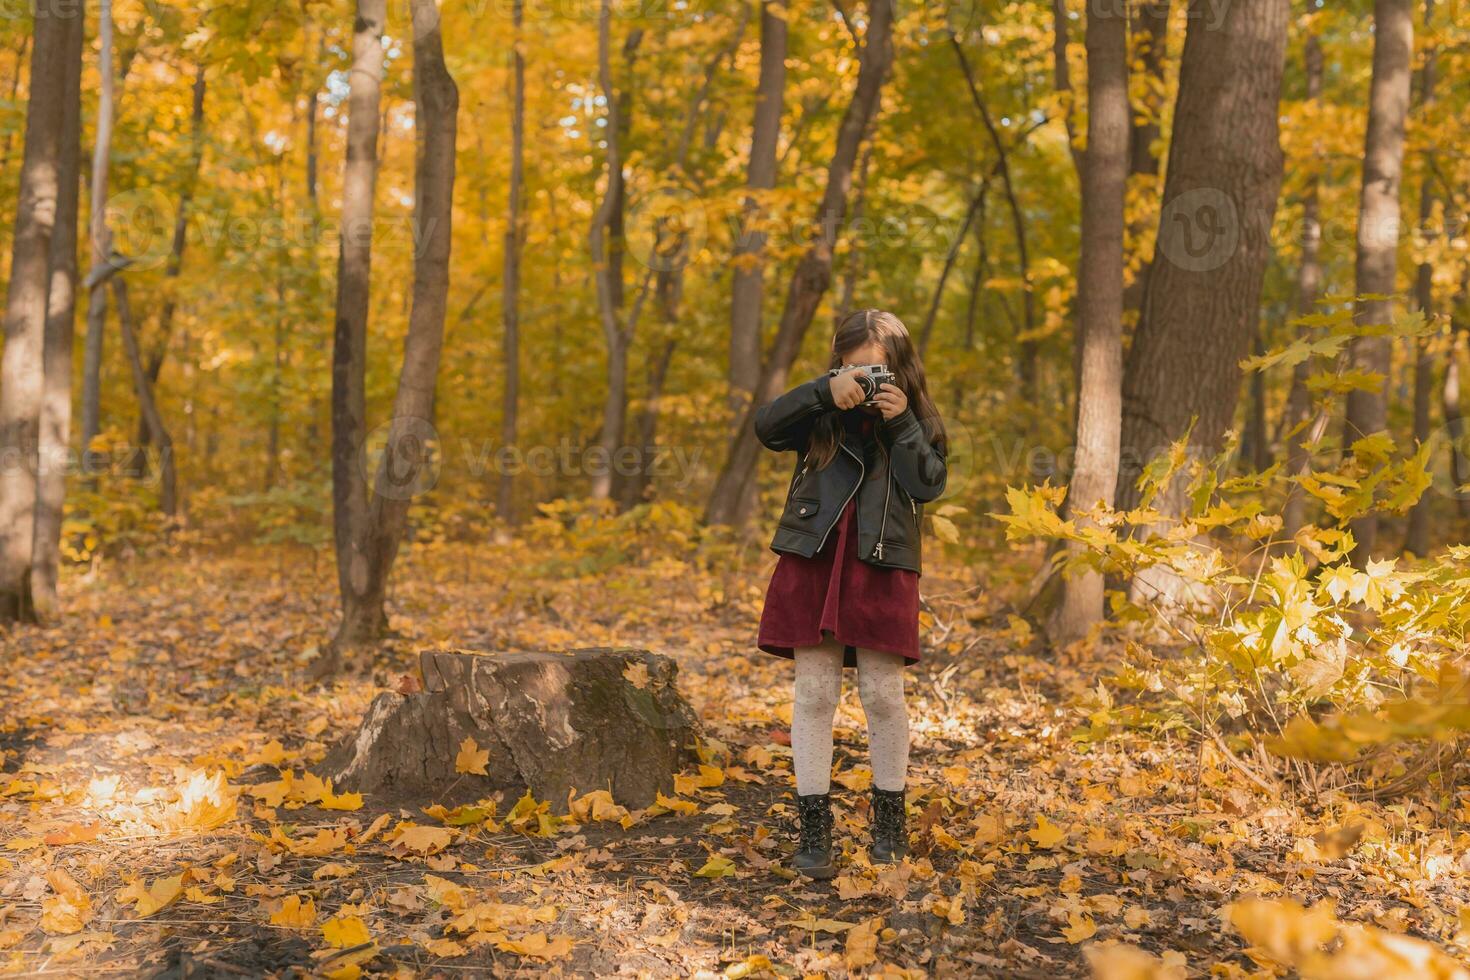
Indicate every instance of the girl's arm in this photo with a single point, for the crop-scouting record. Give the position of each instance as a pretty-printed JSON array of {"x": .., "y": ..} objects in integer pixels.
[
  {"x": 786, "y": 423},
  {"x": 917, "y": 464}
]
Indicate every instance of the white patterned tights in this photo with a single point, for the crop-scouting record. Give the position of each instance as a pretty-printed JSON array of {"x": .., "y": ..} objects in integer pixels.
[{"x": 818, "y": 688}]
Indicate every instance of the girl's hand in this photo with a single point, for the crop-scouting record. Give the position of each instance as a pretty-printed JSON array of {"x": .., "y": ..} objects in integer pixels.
[
  {"x": 891, "y": 400},
  {"x": 846, "y": 392}
]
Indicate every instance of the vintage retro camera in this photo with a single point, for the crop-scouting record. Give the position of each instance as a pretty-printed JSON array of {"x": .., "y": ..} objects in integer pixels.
[{"x": 870, "y": 377}]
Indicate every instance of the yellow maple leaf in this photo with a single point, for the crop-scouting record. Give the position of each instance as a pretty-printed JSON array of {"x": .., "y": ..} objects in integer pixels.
[
  {"x": 597, "y": 805},
  {"x": 68, "y": 908},
  {"x": 538, "y": 947},
  {"x": 206, "y": 801},
  {"x": 295, "y": 913},
  {"x": 148, "y": 899},
  {"x": 1079, "y": 928},
  {"x": 707, "y": 776},
  {"x": 340, "y": 801},
  {"x": 718, "y": 866},
  {"x": 861, "y": 948},
  {"x": 471, "y": 759},
  {"x": 1046, "y": 834},
  {"x": 422, "y": 840},
  {"x": 345, "y": 932}
]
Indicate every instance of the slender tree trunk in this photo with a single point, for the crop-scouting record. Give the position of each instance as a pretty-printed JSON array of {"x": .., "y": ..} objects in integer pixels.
[
  {"x": 168, "y": 487},
  {"x": 1201, "y": 301},
  {"x": 1062, "y": 78},
  {"x": 1255, "y": 446},
  {"x": 511, "y": 289},
  {"x": 1378, "y": 228},
  {"x": 813, "y": 275},
  {"x": 61, "y": 308},
  {"x": 22, "y": 371},
  {"x": 1308, "y": 288},
  {"x": 927, "y": 330},
  {"x": 361, "y": 622},
  {"x": 101, "y": 240},
  {"x": 1454, "y": 419},
  {"x": 747, "y": 286},
  {"x": 854, "y": 269},
  {"x": 1099, "y": 300},
  {"x": 174, "y": 264},
  {"x": 1416, "y": 539},
  {"x": 406, "y": 469},
  {"x": 1026, "y": 364},
  {"x": 607, "y": 273}
]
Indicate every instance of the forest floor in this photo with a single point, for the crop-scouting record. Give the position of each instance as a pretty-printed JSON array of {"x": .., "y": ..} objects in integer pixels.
[{"x": 176, "y": 683}]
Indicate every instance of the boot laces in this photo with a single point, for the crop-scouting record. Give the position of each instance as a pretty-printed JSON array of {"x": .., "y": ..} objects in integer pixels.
[{"x": 814, "y": 819}]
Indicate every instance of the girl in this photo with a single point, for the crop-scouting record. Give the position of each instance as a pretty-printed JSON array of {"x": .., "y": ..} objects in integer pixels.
[{"x": 845, "y": 592}]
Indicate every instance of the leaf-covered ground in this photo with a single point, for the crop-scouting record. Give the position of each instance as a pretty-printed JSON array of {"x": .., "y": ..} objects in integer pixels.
[{"x": 147, "y": 826}]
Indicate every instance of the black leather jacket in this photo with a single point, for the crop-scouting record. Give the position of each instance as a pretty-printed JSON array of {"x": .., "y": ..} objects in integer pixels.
[{"x": 891, "y": 485}]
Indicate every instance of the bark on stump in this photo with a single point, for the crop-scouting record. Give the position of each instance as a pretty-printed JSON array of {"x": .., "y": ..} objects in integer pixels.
[{"x": 552, "y": 722}]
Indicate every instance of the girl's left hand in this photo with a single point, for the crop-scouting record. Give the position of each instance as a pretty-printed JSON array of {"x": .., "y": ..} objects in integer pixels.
[{"x": 891, "y": 401}]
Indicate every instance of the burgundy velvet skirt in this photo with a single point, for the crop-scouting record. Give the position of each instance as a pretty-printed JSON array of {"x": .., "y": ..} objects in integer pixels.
[{"x": 834, "y": 594}]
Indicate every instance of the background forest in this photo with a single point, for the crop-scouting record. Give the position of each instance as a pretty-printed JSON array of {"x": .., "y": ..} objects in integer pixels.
[{"x": 337, "y": 331}]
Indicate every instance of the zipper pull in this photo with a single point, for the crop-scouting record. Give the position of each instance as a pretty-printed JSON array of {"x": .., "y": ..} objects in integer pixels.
[
  {"x": 913, "y": 507},
  {"x": 878, "y": 551}
]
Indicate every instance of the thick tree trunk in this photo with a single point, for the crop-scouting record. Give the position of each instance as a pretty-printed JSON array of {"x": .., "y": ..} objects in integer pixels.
[
  {"x": 1308, "y": 288},
  {"x": 361, "y": 622},
  {"x": 158, "y": 433},
  {"x": 101, "y": 240},
  {"x": 1099, "y": 301},
  {"x": 747, "y": 286},
  {"x": 22, "y": 371},
  {"x": 1201, "y": 301},
  {"x": 61, "y": 308},
  {"x": 1378, "y": 228},
  {"x": 511, "y": 288},
  {"x": 1416, "y": 539},
  {"x": 813, "y": 275},
  {"x": 1150, "y": 54},
  {"x": 406, "y": 468}
]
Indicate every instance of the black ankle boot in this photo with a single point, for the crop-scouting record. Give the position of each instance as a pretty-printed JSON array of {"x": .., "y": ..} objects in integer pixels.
[
  {"x": 814, "y": 849},
  {"x": 890, "y": 839}
]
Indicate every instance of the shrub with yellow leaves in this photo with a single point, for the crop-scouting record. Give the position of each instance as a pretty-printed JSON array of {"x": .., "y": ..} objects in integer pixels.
[{"x": 1272, "y": 641}]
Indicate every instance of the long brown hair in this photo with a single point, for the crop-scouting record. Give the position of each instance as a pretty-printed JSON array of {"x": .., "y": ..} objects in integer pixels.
[{"x": 858, "y": 329}]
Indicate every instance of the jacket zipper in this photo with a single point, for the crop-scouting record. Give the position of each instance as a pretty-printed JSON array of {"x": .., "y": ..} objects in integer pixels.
[
  {"x": 862, "y": 472},
  {"x": 883, "y": 528}
]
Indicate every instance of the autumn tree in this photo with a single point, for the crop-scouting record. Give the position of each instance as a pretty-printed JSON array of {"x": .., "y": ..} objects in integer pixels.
[
  {"x": 1099, "y": 299},
  {"x": 813, "y": 274},
  {"x": 23, "y": 365},
  {"x": 404, "y": 469},
  {"x": 1378, "y": 230}
]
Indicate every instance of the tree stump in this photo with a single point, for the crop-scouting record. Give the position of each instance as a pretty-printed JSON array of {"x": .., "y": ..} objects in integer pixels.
[{"x": 552, "y": 722}]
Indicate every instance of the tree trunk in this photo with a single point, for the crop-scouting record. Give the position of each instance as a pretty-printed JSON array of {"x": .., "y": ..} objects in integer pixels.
[
  {"x": 101, "y": 240},
  {"x": 22, "y": 371},
  {"x": 511, "y": 288},
  {"x": 1150, "y": 53},
  {"x": 1416, "y": 539},
  {"x": 813, "y": 275},
  {"x": 158, "y": 434},
  {"x": 61, "y": 308},
  {"x": 747, "y": 284},
  {"x": 1201, "y": 301},
  {"x": 1378, "y": 229},
  {"x": 1026, "y": 365},
  {"x": 175, "y": 263},
  {"x": 603, "y": 240},
  {"x": 927, "y": 330},
  {"x": 1308, "y": 288},
  {"x": 1454, "y": 419},
  {"x": 1099, "y": 301},
  {"x": 360, "y": 622},
  {"x": 407, "y": 467}
]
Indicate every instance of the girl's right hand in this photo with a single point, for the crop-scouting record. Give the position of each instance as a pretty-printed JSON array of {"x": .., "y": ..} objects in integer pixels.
[{"x": 846, "y": 392}]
